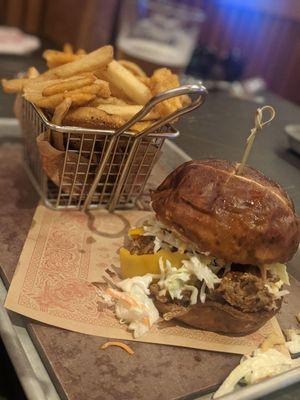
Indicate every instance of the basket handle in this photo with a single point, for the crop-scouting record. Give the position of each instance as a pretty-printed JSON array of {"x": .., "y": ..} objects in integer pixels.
[
  {"x": 186, "y": 89},
  {"x": 196, "y": 89}
]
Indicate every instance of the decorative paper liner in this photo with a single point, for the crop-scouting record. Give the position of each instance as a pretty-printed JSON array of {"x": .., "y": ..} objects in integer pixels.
[{"x": 66, "y": 251}]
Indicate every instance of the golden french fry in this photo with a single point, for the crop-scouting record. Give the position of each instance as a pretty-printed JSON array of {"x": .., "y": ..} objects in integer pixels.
[
  {"x": 126, "y": 111},
  {"x": 123, "y": 79},
  {"x": 91, "y": 117},
  {"x": 132, "y": 67},
  {"x": 146, "y": 80},
  {"x": 13, "y": 85},
  {"x": 185, "y": 100},
  {"x": 49, "y": 102},
  {"x": 56, "y": 58},
  {"x": 88, "y": 63},
  {"x": 58, "y": 116},
  {"x": 116, "y": 92},
  {"x": 68, "y": 85},
  {"x": 109, "y": 100},
  {"x": 33, "y": 88},
  {"x": 140, "y": 126},
  {"x": 61, "y": 110},
  {"x": 67, "y": 48},
  {"x": 80, "y": 52},
  {"x": 161, "y": 80},
  {"x": 99, "y": 88},
  {"x": 79, "y": 99},
  {"x": 32, "y": 73}
]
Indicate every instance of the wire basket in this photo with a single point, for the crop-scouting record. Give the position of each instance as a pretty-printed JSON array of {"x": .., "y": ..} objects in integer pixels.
[{"x": 97, "y": 167}]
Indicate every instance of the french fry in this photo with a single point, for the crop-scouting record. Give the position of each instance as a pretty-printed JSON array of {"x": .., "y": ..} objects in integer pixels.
[
  {"x": 58, "y": 116},
  {"x": 33, "y": 88},
  {"x": 105, "y": 92},
  {"x": 79, "y": 99},
  {"x": 80, "y": 52},
  {"x": 99, "y": 88},
  {"x": 132, "y": 67},
  {"x": 116, "y": 92},
  {"x": 126, "y": 81},
  {"x": 88, "y": 63},
  {"x": 140, "y": 126},
  {"x": 14, "y": 85},
  {"x": 68, "y": 85},
  {"x": 61, "y": 110},
  {"x": 126, "y": 111},
  {"x": 57, "y": 58},
  {"x": 51, "y": 102},
  {"x": 109, "y": 100},
  {"x": 145, "y": 80},
  {"x": 91, "y": 117},
  {"x": 32, "y": 73},
  {"x": 163, "y": 79},
  {"x": 67, "y": 48}
]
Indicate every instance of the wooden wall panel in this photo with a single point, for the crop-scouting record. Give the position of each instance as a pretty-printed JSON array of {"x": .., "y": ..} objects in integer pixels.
[
  {"x": 267, "y": 32},
  {"x": 267, "y": 40},
  {"x": 84, "y": 23}
]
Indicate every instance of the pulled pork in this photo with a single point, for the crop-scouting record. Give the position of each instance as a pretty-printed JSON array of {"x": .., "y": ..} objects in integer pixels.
[
  {"x": 245, "y": 291},
  {"x": 139, "y": 245},
  {"x": 166, "y": 298}
]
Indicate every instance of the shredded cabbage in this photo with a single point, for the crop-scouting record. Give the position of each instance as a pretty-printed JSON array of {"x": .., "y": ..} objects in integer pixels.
[
  {"x": 175, "y": 281},
  {"x": 294, "y": 343},
  {"x": 200, "y": 265},
  {"x": 133, "y": 304},
  {"x": 274, "y": 289},
  {"x": 202, "y": 293},
  {"x": 153, "y": 227},
  {"x": 252, "y": 369},
  {"x": 279, "y": 270},
  {"x": 198, "y": 268}
]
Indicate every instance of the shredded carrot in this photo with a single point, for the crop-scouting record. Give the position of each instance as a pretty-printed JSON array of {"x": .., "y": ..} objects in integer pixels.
[{"x": 118, "y": 344}]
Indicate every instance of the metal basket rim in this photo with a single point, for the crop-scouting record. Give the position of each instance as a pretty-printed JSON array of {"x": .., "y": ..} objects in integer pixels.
[{"x": 79, "y": 130}]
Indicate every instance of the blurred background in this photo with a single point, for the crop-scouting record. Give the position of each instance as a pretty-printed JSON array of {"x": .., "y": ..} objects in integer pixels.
[{"x": 215, "y": 40}]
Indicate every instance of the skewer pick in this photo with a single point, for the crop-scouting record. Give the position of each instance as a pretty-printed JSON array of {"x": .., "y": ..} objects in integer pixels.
[{"x": 259, "y": 124}]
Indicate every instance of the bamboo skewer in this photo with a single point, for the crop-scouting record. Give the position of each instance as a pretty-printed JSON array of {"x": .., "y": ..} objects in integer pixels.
[{"x": 259, "y": 124}]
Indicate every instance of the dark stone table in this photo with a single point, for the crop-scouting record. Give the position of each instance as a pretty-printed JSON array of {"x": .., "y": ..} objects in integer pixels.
[{"x": 220, "y": 128}]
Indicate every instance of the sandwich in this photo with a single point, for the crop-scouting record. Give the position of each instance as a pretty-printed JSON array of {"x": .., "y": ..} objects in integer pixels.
[{"x": 213, "y": 254}]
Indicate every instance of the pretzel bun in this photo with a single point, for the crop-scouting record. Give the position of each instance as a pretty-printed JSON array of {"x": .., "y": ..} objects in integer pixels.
[
  {"x": 221, "y": 318},
  {"x": 244, "y": 219}
]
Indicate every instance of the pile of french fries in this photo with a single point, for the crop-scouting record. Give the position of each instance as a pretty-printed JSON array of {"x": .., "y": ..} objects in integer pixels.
[{"x": 95, "y": 91}]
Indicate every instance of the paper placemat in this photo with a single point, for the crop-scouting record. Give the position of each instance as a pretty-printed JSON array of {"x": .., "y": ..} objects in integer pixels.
[{"x": 65, "y": 252}]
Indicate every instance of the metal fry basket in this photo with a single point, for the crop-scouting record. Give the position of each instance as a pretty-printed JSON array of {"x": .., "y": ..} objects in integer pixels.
[{"x": 97, "y": 167}]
